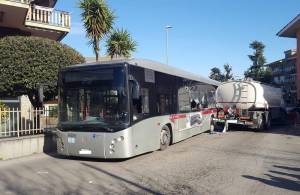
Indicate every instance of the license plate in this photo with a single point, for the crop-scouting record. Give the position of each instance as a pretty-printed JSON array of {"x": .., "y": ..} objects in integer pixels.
[
  {"x": 232, "y": 121},
  {"x": 85, "y": 151}
]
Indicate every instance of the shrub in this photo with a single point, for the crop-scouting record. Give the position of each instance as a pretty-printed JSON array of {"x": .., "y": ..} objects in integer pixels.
[
  {"x": 4, "y": 108},
  {"x": 27, "y": 62}
]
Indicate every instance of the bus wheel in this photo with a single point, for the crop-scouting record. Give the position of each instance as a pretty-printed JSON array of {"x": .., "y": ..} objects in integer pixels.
[
  {"x": 212, "y": 125},
  {"x": 165, "y": 137}
]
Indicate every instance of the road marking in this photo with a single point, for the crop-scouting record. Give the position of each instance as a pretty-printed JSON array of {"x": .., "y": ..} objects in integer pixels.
[{"x": 42, "y": 172}]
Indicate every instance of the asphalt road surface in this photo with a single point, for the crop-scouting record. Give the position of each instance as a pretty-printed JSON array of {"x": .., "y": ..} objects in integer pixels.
[{"x": 237, "y": 162}]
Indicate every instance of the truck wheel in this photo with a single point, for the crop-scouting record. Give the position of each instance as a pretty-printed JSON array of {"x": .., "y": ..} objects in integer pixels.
[
  {"x": 268, "y": 122},
  {"x": 260, "y": 122},
  {"x": 165, "y": 137}
]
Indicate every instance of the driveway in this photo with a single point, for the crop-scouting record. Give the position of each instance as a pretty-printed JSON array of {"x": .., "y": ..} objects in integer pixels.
[{"x": 237, "y": 162}]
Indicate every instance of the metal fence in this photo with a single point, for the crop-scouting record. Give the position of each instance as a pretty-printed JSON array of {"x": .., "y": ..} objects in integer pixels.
[{"x": 17, "y": 123}]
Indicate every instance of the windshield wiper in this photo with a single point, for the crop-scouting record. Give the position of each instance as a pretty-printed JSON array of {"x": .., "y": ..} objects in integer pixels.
[{"x": 85, "y": 127}]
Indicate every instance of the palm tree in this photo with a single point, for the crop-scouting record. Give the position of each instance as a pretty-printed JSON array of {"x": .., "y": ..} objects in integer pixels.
[
  {"x": 98, "y": 21},
  {"x": 120, "y": 44}
]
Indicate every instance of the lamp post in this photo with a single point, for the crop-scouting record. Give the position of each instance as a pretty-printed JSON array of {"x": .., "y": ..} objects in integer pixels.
[{"x": 167, "y": 42}]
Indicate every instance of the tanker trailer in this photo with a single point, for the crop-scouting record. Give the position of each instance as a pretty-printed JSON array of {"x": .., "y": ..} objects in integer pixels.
[{"x": 248, "y": 103}]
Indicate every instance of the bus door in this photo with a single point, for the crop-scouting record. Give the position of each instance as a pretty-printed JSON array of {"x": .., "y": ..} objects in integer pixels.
[{"x": 181, "y": 119}]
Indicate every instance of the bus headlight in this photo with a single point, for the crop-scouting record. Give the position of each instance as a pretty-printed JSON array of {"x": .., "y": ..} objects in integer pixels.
[
  {"x": 112, "y": 146},
  {"x": 121, "y": 138},
  {"x": 111, "y": 151}
]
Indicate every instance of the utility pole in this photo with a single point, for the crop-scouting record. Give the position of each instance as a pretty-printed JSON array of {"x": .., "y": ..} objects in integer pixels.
[{"x": 167, "y": 42}]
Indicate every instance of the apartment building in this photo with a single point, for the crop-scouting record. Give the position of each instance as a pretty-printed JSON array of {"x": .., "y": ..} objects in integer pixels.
[
  {"x": 292, "y": 30},
  {"x": 33, "y": 18},
  {"x": 284, "y": 76}
]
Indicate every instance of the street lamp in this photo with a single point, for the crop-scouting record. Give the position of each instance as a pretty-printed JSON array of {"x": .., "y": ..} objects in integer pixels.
[{"x": 167, "y": 42}]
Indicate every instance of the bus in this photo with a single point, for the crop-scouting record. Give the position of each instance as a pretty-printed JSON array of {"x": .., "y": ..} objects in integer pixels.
[{"x": 123, "y": 108}]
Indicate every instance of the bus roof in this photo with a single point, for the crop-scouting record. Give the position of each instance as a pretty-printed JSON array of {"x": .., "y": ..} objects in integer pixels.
[{"x": 149, "y": 64}]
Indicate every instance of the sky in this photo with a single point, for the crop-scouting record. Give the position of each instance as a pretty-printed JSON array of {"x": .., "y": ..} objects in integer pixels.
[{"x": 205, "y": 33}]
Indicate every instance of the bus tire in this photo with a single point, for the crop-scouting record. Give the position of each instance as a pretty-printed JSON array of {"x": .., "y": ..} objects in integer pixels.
[{"x": 165, "y": 137}]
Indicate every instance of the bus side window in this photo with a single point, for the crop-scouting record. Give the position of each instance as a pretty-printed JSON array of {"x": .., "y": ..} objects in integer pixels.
[
  {"x": 211, "y": 99},
  {"x": 141, "y": 105},
  {"x": 195, "y": 93},
  {"x": 164, "y": 103},
  {"x": 204, "y": 102},
  {"x": 137, "y": 105},
  {"x": 184, "y": 103},
  {"x": 145, "y": 100}
]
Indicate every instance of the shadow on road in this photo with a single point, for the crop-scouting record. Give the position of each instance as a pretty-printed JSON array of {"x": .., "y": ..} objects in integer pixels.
[
  {"x": 58, "y": 156},
  {"x": 51, "y": 181},
  {"x": 281, "y": 179},
  {"x": 87, "y": 159},
  {"x": 275, "y": 129},
  {"x": 147, "y": 190},
  {"x": 284, "y": 130},
  {"x": 287, "y": 168},
  {"x": 67, "y": 180}
]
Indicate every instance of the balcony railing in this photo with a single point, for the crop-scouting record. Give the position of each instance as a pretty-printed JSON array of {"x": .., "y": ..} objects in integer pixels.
[
  {"x": 49, "y": 16},
  {"x": 21, "y": 1}
]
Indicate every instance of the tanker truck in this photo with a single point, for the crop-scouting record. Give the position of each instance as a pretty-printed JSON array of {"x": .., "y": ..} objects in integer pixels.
[{"x": 248, "y": 103}]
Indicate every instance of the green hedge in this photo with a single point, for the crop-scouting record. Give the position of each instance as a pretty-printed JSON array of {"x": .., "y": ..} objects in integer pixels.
[{"x": 27, "y": 62}]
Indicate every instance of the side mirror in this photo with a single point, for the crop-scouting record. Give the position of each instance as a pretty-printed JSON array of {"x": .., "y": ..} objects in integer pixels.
[{"x": 135, "y": 88}]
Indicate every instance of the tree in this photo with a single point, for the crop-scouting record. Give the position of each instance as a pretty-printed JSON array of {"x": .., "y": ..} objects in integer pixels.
[
  {"x": 227, "y": 72},
  {"x": 257, "y": 71},
  {"x": 28, "y": 62},
  {"x": 120, "y": 44},
  {"x": 216, "y": 74},
  {"x": 266, "y": 75},
  {"x": 98, "y": 21}
]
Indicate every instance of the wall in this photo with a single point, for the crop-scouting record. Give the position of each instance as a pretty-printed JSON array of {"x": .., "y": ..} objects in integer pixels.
[{"x": 19, "y": 147}]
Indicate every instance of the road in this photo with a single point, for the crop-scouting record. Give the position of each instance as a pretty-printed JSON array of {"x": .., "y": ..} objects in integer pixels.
[{"x": 237, "y": 162}]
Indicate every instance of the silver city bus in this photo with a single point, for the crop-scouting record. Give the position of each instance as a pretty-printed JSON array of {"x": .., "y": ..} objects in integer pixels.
[{"x": 119, "y": 109}]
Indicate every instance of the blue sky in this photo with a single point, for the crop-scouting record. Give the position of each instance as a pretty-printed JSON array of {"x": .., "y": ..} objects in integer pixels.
[{"x": 206, "y": 33}]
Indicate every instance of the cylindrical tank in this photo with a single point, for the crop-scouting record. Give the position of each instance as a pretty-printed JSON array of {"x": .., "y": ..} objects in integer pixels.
[{"x": 248, "y": 94}]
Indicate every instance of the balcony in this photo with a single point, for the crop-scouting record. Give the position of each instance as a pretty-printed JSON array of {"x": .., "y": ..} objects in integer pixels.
[
  {"x": 17, "y": 3},
  {"x": 21, "y": 17},
  {"x": 44, "y": 17},
  {"x": 45, "y": 3}
]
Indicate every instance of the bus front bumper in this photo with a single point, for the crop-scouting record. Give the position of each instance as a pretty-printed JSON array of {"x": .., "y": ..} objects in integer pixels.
[{"x": 95, "y": 144}]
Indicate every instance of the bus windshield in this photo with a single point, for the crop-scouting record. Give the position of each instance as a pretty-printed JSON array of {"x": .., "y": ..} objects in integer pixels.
[{"x": 94, "y": 98}]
